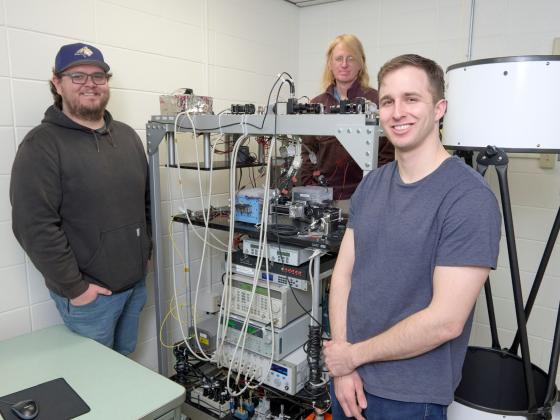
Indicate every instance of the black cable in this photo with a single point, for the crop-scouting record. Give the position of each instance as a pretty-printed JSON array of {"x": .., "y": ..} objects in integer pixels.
[
  {"x": 277, "y": 95},
  {"x": 289, "y": 284},
  {"x": 181, "y": 365},
  {"x": 294, "y": 400},
  {"x": 281, "y": 230},
  {"x": 286, "y": 226},
  {"x": 240, "y": 178},
  {"x": 253, "y": 179},
  {"x": 184, "y": 367},
  {"x": 278, "y": 236},
  {"x": 314, "y": 345}
]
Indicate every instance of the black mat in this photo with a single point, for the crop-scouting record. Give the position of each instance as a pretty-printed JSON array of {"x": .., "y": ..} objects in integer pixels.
[{"x": 56, "y": 400}]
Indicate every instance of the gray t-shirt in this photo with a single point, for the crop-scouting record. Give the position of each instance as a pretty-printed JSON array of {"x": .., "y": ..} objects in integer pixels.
[{"x": 401, "y": 233}]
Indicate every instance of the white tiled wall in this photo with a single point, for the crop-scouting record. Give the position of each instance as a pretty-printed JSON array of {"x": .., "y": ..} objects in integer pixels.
[
  {"x": 232, "y": 50},
  {"x": 222, "y": 47},
  {"x": 439, "y": 30}
]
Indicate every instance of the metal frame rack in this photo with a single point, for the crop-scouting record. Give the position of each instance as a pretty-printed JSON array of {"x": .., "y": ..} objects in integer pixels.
[{"x": 358, "y": 133}]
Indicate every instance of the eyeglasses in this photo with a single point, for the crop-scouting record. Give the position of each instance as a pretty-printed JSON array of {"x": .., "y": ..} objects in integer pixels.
[
  {"x": 340, "y": 59},
  {"x": 80, "y": 78}
]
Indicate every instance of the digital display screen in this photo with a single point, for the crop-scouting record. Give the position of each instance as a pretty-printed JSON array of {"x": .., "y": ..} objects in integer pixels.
[
  {"x": 254, "y": 330},
  {"x": 262, "y": 291},
  {"x": 279, "y": 369},
  {"x": 267, "y": 276},
  {"x": 232, "y": 323},
  {"x": 251, "y": 329}
]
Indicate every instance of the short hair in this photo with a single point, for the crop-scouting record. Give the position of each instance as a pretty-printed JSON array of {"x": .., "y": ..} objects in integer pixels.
[
  {"x": 352, "y": 43},
  {"x": 433, "y": 71}
]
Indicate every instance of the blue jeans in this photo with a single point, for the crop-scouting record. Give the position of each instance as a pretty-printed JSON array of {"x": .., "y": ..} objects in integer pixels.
[
  {"x": 110, "y": 320},
  {"x": 383, "y": 409}
]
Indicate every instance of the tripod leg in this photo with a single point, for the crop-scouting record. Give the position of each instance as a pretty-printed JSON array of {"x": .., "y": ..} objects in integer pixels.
[
  {"x": 516, "y": 283},
  {"x": 465, "y": 154},
  {"x": 540, "y": 274},
  {"x": 491, "y": 315},
  {"x": 481, "y": 168},
  {"x": 551, "y": 392}
]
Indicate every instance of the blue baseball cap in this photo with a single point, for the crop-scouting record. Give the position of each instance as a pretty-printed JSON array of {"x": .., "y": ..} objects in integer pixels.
[{"x": 76, "y": 54}]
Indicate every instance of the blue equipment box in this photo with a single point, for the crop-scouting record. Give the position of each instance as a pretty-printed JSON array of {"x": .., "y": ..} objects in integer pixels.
[{"x": 248, "y": 209}]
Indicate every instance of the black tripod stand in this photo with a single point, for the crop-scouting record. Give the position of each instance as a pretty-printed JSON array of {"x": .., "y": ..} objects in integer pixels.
[{"x": 498, "y": 380}]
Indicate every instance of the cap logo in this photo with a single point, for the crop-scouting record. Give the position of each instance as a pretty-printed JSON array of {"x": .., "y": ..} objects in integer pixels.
[{"x": 84, "y": 52}]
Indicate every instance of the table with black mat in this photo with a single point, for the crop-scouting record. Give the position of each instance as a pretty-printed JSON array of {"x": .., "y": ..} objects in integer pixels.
[{"x": 71, "y": 376}]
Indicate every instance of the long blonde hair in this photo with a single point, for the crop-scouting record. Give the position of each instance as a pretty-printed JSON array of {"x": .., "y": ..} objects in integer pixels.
[{"x": 353, "y": 44}]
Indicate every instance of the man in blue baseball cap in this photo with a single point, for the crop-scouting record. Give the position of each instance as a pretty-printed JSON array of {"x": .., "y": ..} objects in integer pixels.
[
  {"x": 79, "y": 82},
  {"x": 80, "y": 203},
  {"x": 74, "y": 54}
]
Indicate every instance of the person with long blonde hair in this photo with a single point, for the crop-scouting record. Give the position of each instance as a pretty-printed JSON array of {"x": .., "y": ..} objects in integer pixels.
[{"x": 345, "y": 77}]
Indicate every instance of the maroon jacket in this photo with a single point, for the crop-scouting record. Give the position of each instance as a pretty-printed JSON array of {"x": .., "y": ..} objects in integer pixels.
[{"x": 333, "y": 161}]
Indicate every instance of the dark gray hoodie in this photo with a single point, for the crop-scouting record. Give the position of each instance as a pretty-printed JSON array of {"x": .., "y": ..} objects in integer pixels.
[{"x": 80, "y": 204}]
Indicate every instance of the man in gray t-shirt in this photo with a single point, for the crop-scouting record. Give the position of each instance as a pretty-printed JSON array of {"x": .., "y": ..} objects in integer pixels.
[{"x": 423, "y": 235}]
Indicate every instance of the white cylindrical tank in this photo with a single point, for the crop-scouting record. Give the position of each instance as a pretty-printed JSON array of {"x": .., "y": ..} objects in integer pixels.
[{"x": 509, "y": 102}]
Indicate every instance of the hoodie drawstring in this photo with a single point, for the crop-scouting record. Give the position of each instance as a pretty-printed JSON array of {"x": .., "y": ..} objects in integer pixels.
[
  {"x": 109, "y": 139},
  {"x": 96, "y": 140}
]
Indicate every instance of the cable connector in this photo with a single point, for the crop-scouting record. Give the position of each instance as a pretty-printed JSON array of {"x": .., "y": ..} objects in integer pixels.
[
  {"x": 289, "y": 81},
  {"x": 316, "y": 253},
  {"x": 294, "y": 107}
]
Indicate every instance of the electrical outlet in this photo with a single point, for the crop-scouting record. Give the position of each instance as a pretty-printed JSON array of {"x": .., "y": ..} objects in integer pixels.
[{"x": 547, "y": 161}]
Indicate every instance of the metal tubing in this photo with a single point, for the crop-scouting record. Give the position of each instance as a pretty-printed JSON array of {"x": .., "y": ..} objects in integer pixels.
[
  {"x": 316, "y": 295},
  {"x": 228, "y": 144},
  {"x": 358, "y": 134},
  {"x": 260, "y": 152},
  {"x": 491, "y": 315},
  {"x": 467, "y": 155},
  {"x": 540, "y": 274},
  {"x": 188, "y": 288},
  {"x": 157, "y": 255},
  {"x": 516, "y": 283},
  {"x": 170, "y": 140},
  {"x": 551, "y": 396},
  {"x": 481, "y": 168},
  {"x": 207, "y": 150},
  {"x": 471, "y": 31}
]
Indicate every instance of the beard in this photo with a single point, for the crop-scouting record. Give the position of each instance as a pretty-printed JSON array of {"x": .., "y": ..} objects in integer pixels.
[{"x": 92, "y": 112}]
